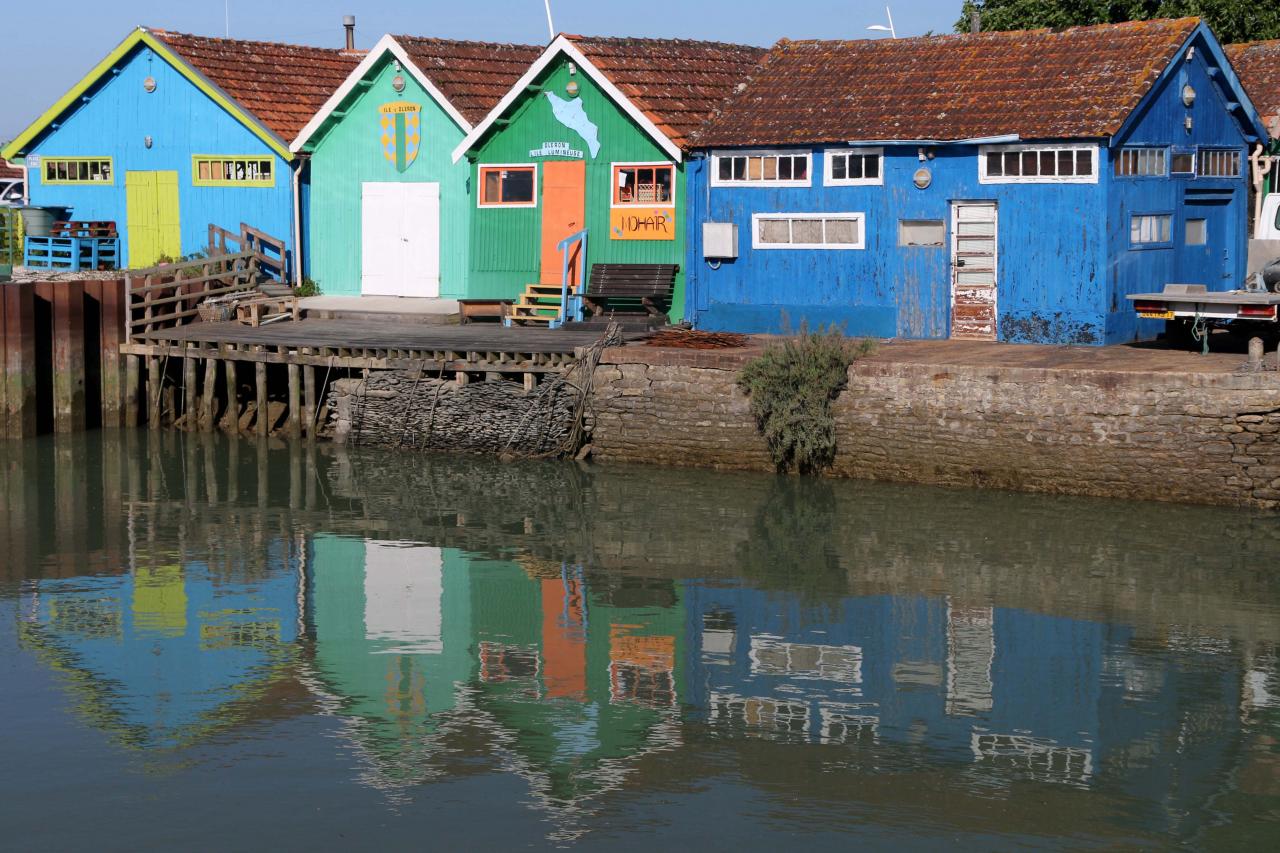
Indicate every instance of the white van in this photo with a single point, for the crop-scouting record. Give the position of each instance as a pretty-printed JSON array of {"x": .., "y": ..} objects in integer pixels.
[{"x": 1268, "y": 225}]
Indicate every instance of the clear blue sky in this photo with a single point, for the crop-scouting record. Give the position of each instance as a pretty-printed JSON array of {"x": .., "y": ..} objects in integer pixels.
[{"x": 44, "y": 54}]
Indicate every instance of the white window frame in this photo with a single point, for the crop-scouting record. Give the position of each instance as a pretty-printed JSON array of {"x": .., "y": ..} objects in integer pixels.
[
  {"x": 984, "y": 178},
  {"x": 1212, "y": 153},
  {"x": 1142, "y": 155},
  {"x": 829, "y": 181},
  {"x": 1152, "y": 219},
  {"x": 640, "y": 164},
  {"x": 761, "y": 182},
  {"x": 481, "y": 168},
  {"x": 757, "y": 218}
]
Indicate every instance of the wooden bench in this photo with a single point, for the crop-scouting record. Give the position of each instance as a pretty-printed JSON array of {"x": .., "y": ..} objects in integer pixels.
[
  {"x": 471, "y": 309},
  {"x": 630, "y": 289}
]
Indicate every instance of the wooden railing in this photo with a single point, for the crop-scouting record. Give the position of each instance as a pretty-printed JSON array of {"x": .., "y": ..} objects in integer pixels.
[
  {"x": 272, "y": 253},
  {"x": 167, "y": 296}
]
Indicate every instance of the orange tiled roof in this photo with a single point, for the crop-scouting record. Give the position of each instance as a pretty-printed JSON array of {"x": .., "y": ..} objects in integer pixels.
[
  {"x": 282, "y": 85},
  {"x": 1081, "y": 82},
  {"x": 1258, "y": 65},
  {"x": 676, "y": 83},
  {"x": 473, "y": 75},
  {"x": 8, "y": 171}
]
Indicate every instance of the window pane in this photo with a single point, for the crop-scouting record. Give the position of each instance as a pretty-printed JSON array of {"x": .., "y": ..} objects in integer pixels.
[
  {"x": 266, "y": 170},
  {"x": 775, "y": 231},
  {"x": 1030, "y": 164},
  {"x": 771, "y": 168},
  {"x": 1012, "y": 164},
  {"x": 1084, "y": 162},
  {"x": 871, "y": 166},
  {"x": 1183, "y": 164},
  {"x": 1197, "y": 233},
  {"x": 995, "y": 164},
  {"x": 921, "y": 232},
  {"x": 856, "y": 167},
  {"x": 839, "y": 166},
  {"x": 664, "y": 176},
  {"x": 755, "y": 168},
  {"x": 800, "y": 168},
  {"x": 517, "y": 186},
  {"x": 842, "y": 231},
  {"x": 1135, "y": 229},
  {"x": 725, "y": 168},
  {"x": 1066, "y": 163},
  {"x": 784, "y": 169},
  {"x": 492, "y": 187},
  {"x": 806, "y": 231},
  {"x": 739, "y": 168},
  {"x": 1166, "y": 228},
  {"x": 1048, "y": 163},
  {"x": 50, "y": 171}
]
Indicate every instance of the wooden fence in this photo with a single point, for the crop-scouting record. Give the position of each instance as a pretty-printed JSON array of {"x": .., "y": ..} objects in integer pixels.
[{"x": 167, "y": 296}]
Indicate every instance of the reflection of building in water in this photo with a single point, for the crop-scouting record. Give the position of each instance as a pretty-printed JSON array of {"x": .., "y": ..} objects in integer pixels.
[
  {"x": 171, "y": 652},
  {"x": 1035, "y": 758},
  {"x": 971, "y": 648}
]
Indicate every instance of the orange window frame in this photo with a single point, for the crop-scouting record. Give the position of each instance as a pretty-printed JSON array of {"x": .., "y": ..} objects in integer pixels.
[
  {"x": 619, "y": 201},
  {"x": 485, "y": 171}
]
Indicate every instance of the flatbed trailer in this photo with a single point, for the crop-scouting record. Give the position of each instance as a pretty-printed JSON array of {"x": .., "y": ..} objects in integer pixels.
[{"x": 1191, "y": 310}]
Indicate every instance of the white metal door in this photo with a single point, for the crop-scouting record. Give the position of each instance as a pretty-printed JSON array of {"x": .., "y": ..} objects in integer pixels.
[
  {"x": 974, "y": 268},
  {"x": 400, "y": 245}
]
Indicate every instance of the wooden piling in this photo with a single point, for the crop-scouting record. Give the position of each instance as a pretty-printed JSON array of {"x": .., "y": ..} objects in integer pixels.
[
  {"x": 68, "y": 357},
  {"x": 231, "y": 419},
  {"x": 189, "y": 390},
  {"x": 209, "y": 399},
  {"x": 260, "y": 386},
  {"x": 309, "y": 399},
  {"x": 132, "y": 390},
  {"x": 20, "y": 359},
  {"x": 111, "y": 303},
  {"x": 295, "y": 401},
  {"x": 153, "y": 392}
]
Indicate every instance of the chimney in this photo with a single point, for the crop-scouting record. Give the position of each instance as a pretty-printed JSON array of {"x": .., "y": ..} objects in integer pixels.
[
  {"x": 349, "y": 24},
  {"x": 975, "y": 20}
]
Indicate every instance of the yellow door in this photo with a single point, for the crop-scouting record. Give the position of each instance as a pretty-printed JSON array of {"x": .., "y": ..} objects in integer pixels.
[{"x": 151, "y": 200}]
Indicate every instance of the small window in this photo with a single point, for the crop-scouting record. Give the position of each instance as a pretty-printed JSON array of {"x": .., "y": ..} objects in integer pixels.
[
  {"x": 1141, "y": 163},
  {"x": 1150, "y": 229},
  {"x": 644, "y": 184},
  {"x": 507, "y": 186},
  {"x": 922, "y": 232},
  {"x": 856, "y": 167},
  {"x": 1218, "y": 163},
  {"x": 808, "y": 231},
  {"x": 763, "y": 168},
  {"x": 78, "y": 170},
  {"x": 1197, "y": 232},
  {"x": 1184, "y": 163},
  {"x": 1012, "y": 164},
  {"x": 215, "y": 171}
]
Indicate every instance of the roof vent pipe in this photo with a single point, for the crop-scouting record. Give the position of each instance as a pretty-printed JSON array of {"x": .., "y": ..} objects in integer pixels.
[{"x": 349, "y": 24}]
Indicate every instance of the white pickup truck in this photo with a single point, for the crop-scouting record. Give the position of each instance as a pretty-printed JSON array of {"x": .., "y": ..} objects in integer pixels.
[{"x": 1191, "y": 310}]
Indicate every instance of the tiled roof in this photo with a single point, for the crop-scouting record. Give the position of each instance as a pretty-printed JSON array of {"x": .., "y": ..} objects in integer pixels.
[
  {"x": 9, "y": 172},
  {"x": 282, "y": 85},
  {"x": 1081, "y": 82},
  {"x": 676, "y": 83},
  {"x": 473, "y": 75},
  {"x": 1257, "y": 63}
]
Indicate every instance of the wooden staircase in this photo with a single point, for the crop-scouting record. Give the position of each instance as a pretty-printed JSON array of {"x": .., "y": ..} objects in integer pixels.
[{"x": 538, "y": 305}]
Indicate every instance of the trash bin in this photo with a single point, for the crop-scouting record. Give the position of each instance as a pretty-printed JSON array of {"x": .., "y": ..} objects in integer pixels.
[{"x": 38, "y": 221}]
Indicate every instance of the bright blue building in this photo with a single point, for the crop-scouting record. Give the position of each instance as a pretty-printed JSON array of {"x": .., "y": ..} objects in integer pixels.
[
  {"x": 997, "y": 186},
  {"x": 171, "y": 133}
]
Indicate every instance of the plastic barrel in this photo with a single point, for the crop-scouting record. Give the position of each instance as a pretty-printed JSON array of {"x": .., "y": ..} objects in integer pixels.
[{"x": 38, "y": 221}]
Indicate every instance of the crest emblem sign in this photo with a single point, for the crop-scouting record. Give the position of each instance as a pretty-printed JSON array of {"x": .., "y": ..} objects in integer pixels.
[{"x": 400, "y": 127}]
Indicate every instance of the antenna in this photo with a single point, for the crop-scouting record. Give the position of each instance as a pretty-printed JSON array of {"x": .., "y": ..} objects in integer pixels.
[
  {"x": 226, "y": 12},
  {"x": 551, "y": 27},
  {"x": 893, "y": 33}
]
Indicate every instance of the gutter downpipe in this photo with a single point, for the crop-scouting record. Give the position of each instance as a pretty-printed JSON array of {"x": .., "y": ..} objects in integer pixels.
[{"x": 297, "y": 222}]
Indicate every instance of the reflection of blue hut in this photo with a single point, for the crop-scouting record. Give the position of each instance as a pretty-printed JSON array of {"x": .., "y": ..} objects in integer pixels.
[{"x": 165, "y": 655}]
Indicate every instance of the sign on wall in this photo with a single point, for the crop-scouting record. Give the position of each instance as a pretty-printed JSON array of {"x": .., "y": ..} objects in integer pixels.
[
  {"x": 557, "y": 149},
  {"x": 401, "y": 125},
  {"x": 642, "y": 223}
]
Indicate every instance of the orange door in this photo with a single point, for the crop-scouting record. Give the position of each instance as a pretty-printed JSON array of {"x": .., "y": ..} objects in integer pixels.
[{"x": 564, "y": 202}]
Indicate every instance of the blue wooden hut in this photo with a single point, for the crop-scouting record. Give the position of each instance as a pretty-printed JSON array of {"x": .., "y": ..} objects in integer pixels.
[
  {"x": 995, "y": 186},
  {"x": 171, "y": 133}
]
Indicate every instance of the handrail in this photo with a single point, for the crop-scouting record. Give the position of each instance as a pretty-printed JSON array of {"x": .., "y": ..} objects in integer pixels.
[{"x": 563, "y": 247}]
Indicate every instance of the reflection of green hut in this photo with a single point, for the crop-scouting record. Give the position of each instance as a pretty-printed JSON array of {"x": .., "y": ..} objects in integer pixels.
[
  {"x": 392, "y": 632},
  {"x": 574, "y": 684}
]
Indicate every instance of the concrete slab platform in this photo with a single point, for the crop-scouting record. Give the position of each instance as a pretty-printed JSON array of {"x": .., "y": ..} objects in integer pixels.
[{"x": 402, "y": 309}]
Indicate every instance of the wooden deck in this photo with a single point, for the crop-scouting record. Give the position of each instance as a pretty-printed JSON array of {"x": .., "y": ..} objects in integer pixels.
[{"x": 375, "y": 344}]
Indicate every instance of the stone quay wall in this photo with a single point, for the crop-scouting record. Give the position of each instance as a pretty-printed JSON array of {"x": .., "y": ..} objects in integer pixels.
[{"x": 1193, "y": 437}]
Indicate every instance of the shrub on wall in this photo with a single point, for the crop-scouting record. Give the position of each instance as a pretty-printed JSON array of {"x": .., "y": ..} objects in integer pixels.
[{"x": 791, "y": 387}]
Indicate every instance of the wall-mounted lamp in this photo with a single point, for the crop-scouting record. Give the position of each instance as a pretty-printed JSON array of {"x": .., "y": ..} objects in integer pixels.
[
  {"x": 1188, "y": 123},
  {"x": 922, "y": 178},
  {"x": 1188, "y": 96},
  {"x": 925, "y": 154},
  {"x": 1191, "y": 53},
  {"x": 398, "y": 83},
  {"x": 149, "y": 85},
  {"x": 572, "y": 88},
  {"x": 573, "y": 69},
  {"x": 396, "y": 64}
]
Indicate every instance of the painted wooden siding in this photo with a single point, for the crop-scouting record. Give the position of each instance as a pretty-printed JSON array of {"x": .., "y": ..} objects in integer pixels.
[
  {"x": 1224, "y": 201},
  {"x": 181, "y": 121},
  {"x": 505, "y": 242},
  {"x": 1051, "y": 244},
  {"x": 351, "y": 154}
]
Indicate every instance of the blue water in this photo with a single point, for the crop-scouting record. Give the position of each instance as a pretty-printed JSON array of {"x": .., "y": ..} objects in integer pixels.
[{"x": 216, "y": 644}]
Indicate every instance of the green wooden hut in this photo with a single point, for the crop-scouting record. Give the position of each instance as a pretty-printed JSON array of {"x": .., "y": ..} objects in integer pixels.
[
  {"x": 591, "y": 137},
  {"x": 387, "y": 207}
]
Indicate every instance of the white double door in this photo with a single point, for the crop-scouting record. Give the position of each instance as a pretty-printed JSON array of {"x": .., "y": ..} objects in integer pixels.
[{"x": 400, "y": 245}]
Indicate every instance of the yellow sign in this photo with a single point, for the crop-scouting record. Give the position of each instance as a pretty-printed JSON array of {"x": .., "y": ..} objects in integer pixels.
[{"x": 642, "y": 223}]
